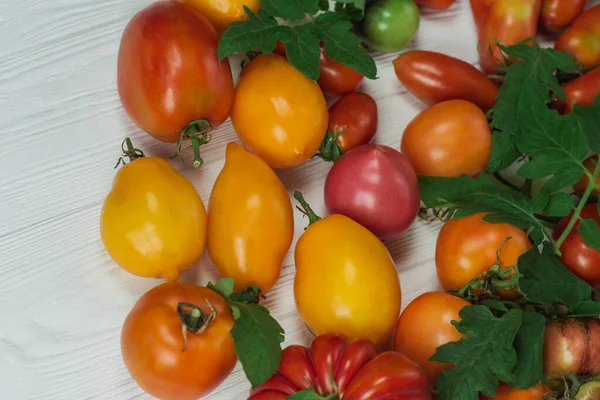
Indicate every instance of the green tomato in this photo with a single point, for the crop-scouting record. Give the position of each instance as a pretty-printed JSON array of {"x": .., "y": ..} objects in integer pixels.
[{"x": 390, "y": 24}]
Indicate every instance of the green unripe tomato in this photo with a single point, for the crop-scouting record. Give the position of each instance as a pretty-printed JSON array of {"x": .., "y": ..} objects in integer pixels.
[{"x": 390, "y": 24}]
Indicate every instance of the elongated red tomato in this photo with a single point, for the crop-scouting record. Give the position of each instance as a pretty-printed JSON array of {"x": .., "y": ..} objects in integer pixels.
[
  {"x": 332, "y": 366},
  {"x": 583, "y": 90},
  {"x": 356, "y": 114},
  {"x": 168, "y": 71},
  {"x": 582, "y": 39},
  {"x": 558, "y": 14},
  {"x": 435, "y": 4},
  {"x": 434, "y": 77}
]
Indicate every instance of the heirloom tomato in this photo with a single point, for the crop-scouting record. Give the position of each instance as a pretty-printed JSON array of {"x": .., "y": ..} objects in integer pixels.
[
  {"x": 345, "y": 280},
  {"x": 176, "y": 341},
  {"x": 153, "y": 222},
  {"x": 390, "y": 24},
  {"x": 170, "y": 81},
  {"x": 334, "y": 368},
  {"x": 433, "y": 313},
  {"x": 223, "y": 12},
  {"x": 505, "y": 392},
  {"x": 278, "y": 113},
  {"x": 250, "y": 221},
  {"x": 583, "y": 90},
  {"x": 448, "y": 139},
  {"x": 582, "y": 39},
  {"x": 558, "y": 14}
]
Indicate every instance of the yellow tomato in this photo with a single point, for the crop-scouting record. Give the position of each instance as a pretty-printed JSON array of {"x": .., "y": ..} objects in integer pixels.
[
  {"x": 278, "y": 113},
  {"x": 223, "y": 12},
  {"x": 346, "y": 281},
  {"x": 153, "y": 222},
  {"x": 250, "y": 221}
]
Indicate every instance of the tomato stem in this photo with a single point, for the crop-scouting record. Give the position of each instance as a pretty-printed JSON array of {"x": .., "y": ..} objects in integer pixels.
[
  {"x": 252, "y": 295},
  {"x": 198, "y": 133},
  {"x": 306, "y": 208},
  {"x": 194, "y": 319},
  {"x": 330, "y": 149},
  {"x": 129, "y": 152}
]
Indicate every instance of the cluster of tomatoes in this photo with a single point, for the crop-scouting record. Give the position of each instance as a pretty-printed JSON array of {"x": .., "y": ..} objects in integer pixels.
[{"x": 154, "y": 223}]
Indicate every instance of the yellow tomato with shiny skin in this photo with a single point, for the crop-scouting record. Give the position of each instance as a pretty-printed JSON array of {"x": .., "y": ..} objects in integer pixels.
[
  {"x": 153, "y": 222},
  {"x": 346, "y": 281},
  {"x": 278, "y": 113},
  {"x": 250, "y": 221},
  {"x": 223, "y": 12}
]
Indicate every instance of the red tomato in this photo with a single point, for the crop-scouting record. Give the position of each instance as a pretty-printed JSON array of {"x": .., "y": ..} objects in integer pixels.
[
  {"x": 335, "y": 77},
  {"x": 558, "y": 14},
  {"x": 354, "y": 367},
  {"x": 581, "y": 259},
  {"x": 375, "y": 186},
  {"x": 154, "y": 349},
  {"x": 505, "y": 392},
  {"x": 432, "y": 313},
  {"x": 435, "y": 4},
  {"x": 168, "y": 71},
  {"x": 356, "y": 114},
  {"x": 432, "y": 78},
  {"x": 467, "y": 247},
  {"x": 509, "y": 21},
  {"x": 582, "y": 39},
  {"x": 583, "y": 90},
  {"x": 448, "y": 139}
]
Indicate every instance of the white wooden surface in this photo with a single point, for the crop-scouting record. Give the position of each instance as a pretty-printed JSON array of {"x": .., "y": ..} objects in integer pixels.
[{"x": 62, "y": 299}]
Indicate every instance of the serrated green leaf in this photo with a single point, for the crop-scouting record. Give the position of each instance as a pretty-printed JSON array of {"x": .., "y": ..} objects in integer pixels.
[
  {"x": 529, "y": 344},
  {"x": 543, "y": 279},
  {"x": 504, "y": 151},
  {"x": 495, "y": 305},
  {"x": 303, "y": 51},
  {"x": 224, "y": 287},
  {"x": 561, "y": 180},
  {"x": 538, "y": 236},
  {"x": 587, "y": 308},
  {"x": 590, "y": 233},
  {"x": 306, "y": 395},
  {"x": 290, "y": 10},
  {"x": 486, "y": 336},
  {"x": 354, "y": 8},
  {"x": 507, "y": 219},
  {"x": 257, "y": 337},
  {"x": 589, "y": 118},
  {"x": 341, "y": 45},
  {"x": 560, "y": 205}
]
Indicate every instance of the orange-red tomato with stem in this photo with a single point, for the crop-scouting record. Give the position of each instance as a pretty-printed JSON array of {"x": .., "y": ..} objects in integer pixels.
[
  {"x": 582, "y": 39},
  {"x": 162, "y": 352},
  {"x": 433, "y": 313},
  {"x": 558, "y": 14},
  {"x": 448, "y": 139},
  {"x": 505, "y": 392},
  {"x": 583, "y": 90}
]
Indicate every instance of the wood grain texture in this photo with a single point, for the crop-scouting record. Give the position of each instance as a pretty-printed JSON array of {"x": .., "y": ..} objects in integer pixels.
[{"x": 62, "y": 299}]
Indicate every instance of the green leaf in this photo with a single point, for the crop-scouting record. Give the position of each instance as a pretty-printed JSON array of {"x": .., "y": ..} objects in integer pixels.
[
  {"x": 504, "y": 151},
  {"x": 488, "y": 338},
  {"x": 561, "y": 180},
  {"x": 306, "y": 395},
  {"x": 590, "y": 233},
  {"x": 303, "y": 51},
  {"x": 324, "y": 5},
  {"x": 341, "y": 45},
  {"x": 586, "y": 308},
  {"x": 529, "y": 345},
  {"x": 290, "y": 10},
  {"x": 354, "y": 8},
  {"x": 560, "y": 205},
  {"x": 543, "y": 279},
  {"x": 224, "y": 287},
  {"x": 589, "y": 118}
]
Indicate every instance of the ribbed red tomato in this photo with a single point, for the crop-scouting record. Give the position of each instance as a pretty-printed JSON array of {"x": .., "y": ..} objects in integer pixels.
[{"x": 332, "y": 366}]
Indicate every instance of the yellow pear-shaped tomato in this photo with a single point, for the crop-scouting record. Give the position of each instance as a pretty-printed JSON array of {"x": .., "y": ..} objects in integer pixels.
[
  {"x": 153, "y": 222},
  {"x": 278, "y": 113},
  {"x": 346, "y": 281},
  {"x": 250, "y": 221},
  {"x": 223, "y": 12}
]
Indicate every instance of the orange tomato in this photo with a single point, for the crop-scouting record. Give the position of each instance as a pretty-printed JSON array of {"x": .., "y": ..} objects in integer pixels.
[
  {"x": 278, "y": 113},
  {"x": 154, "y": 349},
  {"x": 582, "y": 39},
  {"x": 433, "y": 313},
  {"x": 504, "y": 392},
  {"x": 467, "y": 247},
  {"x": 448, "y": 139},
  {"x": 590, "y": 165},
  {"x": 223, "y": 12}
]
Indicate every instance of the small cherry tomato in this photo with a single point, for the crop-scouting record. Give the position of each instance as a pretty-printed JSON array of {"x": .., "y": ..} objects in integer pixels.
[
  {"x": 582, "y": 185},
  {"x": 467, "y": 247},
  {"x": 558, "y": 14},
  {"x": 581, "y": 259},
  {"x": 583, "y": 90},
  {"x": 431, "y": 77},
  {"x": 435, "y": 4},
  {"x": 433, "y": 313},
  {"x": 582, "y": 39},
  {"x": 505, "y": 392},
  {"x": 359, "y": 290},
  {"x": 390, "y": 24},
  {"x": 375, "y": 186},
  {"x": 170, "y": 81},
  {"x": 278, "y": 113},
  {"x": 153, "y": 222},
  {"x": 223, "y": 12},
  {"x": 448, "y": 139},
  {"x": 332, "y": 366},
  {"x": 250, "y": 221},
  {"x": 176, "y": 341}
]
